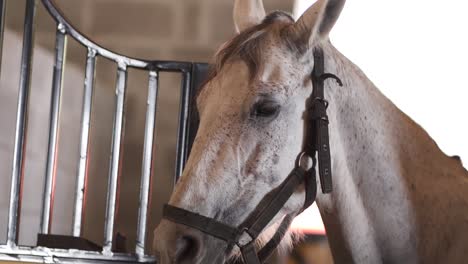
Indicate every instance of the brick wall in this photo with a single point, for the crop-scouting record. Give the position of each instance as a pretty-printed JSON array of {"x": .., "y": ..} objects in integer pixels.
[{"x": 189, "y": 30}]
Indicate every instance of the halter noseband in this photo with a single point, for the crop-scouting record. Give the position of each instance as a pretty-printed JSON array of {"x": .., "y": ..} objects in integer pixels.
[{"x": 316, "y": 140}]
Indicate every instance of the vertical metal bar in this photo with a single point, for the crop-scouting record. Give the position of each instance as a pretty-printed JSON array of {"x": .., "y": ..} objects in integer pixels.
[
  {"x": 2, "y": 28},
  {"x": 145, "y": 185},
  {"x": 199, "y": 74},
  {"x": 80, "y": 192},
  {"x": 183, "y": 124},
  {"x": 21, "y": 126},
  {"x": 115, "y": 159},
  {"x": 51, "y": 168}
]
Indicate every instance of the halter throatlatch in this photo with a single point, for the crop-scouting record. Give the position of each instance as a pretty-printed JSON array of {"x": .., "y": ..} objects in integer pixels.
[{"x": 317, "y": 141}]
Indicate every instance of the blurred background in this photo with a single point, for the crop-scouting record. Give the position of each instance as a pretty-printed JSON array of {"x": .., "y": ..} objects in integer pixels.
[{"x": 412, "y": 51}]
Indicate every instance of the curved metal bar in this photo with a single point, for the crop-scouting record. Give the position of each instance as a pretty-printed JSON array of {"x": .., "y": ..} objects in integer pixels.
[{"x": 111, "y": 55}]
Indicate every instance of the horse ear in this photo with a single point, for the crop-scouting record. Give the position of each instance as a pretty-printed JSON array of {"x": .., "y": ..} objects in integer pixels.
[
  {"x": 317, "y": 21},
  {"x": 248, "y": 13}
]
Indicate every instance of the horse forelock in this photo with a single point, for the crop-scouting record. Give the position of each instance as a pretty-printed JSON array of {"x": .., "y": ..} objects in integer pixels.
[{"x": 247, "y": 45}]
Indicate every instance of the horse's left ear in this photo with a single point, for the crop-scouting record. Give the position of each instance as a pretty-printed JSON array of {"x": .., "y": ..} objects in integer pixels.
[
  {"x": 317, "y": 21},
  {"x": 248, "y": 13}
]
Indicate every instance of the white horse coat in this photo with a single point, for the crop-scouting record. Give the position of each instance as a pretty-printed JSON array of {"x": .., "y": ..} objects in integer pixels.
[{"x": 397, "y": 198}]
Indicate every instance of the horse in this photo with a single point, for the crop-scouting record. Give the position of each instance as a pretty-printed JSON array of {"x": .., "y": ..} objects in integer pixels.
[{"x": 397, "y": 198}]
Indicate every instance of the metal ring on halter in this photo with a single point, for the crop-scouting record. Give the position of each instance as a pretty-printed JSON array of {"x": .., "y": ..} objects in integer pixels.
[
  {"x": 302, "y": 155},
  {"x": 325, "y": 118},
  {"x": 322, "y": 100}
]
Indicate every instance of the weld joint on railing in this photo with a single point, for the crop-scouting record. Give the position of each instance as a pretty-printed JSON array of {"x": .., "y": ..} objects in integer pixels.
[
  {"x": 92, "y": 52},
  {"x": 107, "y": 251},
  {"x": 11, "y": 244},
  {"x": 153, "y": 73},
  {"x": 122, "y": 65},
  {"x": 186, "y": 69},
  {"x": 140, "y": 251},
  {"x": 61, "y": 28}
]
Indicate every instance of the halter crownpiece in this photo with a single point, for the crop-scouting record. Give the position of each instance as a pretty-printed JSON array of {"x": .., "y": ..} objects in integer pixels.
[
  {"x": 317, "y": 115},
  {"x": 317, "y": 141}
]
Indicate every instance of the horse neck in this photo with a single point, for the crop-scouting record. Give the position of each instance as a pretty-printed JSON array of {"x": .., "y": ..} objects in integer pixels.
[{"x": 374, "y": 151}]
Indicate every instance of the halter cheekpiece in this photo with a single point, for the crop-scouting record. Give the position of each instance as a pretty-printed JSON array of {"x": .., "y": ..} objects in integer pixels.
[{"x": 316, "y": 141}]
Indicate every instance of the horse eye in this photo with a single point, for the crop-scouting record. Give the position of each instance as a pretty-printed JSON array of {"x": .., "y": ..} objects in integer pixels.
[{"x": 266, "y": 109}]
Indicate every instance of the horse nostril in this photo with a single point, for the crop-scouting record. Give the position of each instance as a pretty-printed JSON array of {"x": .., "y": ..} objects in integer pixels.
[{"x": 187, "y": 248}]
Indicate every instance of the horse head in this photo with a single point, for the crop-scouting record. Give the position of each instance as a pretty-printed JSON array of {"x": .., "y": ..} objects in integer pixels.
[{"x": 251, "y": 129}]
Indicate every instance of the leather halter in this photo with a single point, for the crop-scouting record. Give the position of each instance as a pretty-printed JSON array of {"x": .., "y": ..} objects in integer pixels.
[{"x": 316, "y": 140}]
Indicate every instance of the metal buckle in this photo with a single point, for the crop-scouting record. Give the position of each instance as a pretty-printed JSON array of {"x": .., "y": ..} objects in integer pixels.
[
  {"x": 325, "y": 119},
  {"x": 244, "y": 238},
  {"x": 322, "y": 100}
]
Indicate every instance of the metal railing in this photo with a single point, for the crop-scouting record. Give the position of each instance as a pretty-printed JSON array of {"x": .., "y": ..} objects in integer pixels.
[{"x": 192, "y": 74}]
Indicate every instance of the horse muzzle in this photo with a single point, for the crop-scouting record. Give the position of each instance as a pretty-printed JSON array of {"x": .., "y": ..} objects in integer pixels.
[{"x": 175, "y": 243}]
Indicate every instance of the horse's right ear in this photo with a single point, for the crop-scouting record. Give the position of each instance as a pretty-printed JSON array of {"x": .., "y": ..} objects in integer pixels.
[
  {"x": 317, "y": 21},
  {"x": 248, "y": 13}
]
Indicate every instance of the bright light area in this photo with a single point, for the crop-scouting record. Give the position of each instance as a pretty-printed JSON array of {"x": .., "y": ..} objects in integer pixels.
[{"x": 416, "y": 52}]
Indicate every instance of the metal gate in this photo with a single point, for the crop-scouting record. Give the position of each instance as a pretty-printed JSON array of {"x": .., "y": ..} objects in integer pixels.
[{"x": 83, "y": 250}]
